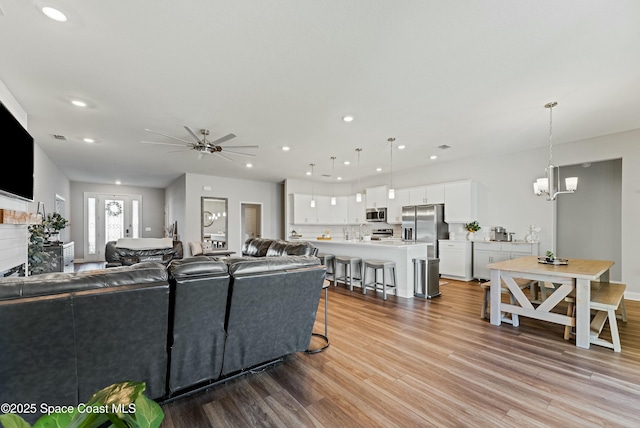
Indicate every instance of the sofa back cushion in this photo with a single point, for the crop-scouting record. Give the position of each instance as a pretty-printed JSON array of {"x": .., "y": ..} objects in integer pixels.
[
  {"x": 59, "y": 282},
  {"x": 271, "y": 314},
  {"x": 285, "y": 248},
  {"x": 197, "y": 330},
  {"x": 256, "y": 247}
]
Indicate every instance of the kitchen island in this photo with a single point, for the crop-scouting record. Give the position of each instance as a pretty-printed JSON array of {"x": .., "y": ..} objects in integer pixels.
[{"x": 398, "y": 251}]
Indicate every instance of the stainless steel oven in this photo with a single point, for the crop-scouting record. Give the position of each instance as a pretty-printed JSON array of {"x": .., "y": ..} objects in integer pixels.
[{"x": 377, "y": 214}]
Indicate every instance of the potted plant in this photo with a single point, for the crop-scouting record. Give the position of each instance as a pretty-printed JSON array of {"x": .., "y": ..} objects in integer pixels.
[
  {"x": 53, "y": 223},
  {"x": 471, "y": 228},
  {"x": 121, "y": 405}
]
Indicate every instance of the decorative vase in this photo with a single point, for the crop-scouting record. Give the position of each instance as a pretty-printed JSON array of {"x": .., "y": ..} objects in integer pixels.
[{"x": 470, "y": 236}]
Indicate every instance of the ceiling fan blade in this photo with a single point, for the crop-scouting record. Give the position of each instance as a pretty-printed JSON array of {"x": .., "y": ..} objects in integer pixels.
[
  {"x": 169, "y": 136},
  {"x": 223, "y": 156},
  {"x": 193, "y": 134},
  {"x": 223, "y": 139},
  {"x": 164, "y": 144},
  {"x": 238, "y": 153},
  {"x": 242, "y": 147}
]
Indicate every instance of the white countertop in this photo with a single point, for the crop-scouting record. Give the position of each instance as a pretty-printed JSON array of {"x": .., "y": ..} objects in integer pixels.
[
  {"x": 488, "y": 242},
  {"x": 382, "y": 243}
]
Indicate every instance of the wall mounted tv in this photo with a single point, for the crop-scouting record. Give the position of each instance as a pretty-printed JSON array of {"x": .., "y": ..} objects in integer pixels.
[{"x": 17, "y": 145}]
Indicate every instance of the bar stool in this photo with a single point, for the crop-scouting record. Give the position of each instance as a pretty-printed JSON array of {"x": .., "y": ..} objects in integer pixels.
[
  {"x": 325, "y": 336},
  {"x": 329, "y": 260},
  {"x": 350, "y": 265},
  {"x": 376, "y": 265}
]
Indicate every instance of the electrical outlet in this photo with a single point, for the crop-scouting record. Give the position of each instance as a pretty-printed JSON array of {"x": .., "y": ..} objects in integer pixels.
[{"x": 147, "y": 229}]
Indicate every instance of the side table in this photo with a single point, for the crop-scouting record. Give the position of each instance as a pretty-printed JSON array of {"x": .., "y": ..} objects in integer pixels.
[{"x": 325, "y": 336}]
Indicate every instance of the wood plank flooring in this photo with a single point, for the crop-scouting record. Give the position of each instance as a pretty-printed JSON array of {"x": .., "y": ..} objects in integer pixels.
[{"x": 420, "y": 363}]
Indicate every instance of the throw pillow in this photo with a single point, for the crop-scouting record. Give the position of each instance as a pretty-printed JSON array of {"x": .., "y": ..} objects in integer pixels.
[
  {"x": 207, "y": 246},
  {"x": 196, "y": 248}
]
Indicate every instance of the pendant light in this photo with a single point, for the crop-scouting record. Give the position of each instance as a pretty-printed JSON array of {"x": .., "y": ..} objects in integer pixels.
[
  {"x": 550, "y": 185},
  {"x": 333, "y": 182},
  {"x": 359, "y": 194},
  {"x": 392, "y": 191},
  {"x": 313, "y": 200}
]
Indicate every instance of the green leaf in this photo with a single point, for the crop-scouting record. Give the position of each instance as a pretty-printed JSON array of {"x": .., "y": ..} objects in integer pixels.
[
  {"x": 55, "y": 420},
  {"x": 10, "y": 420},
  {"x": 148, "y": 413}
]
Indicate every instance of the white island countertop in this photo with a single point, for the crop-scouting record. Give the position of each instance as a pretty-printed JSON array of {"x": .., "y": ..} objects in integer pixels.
[{"x": 395, "y": 243}]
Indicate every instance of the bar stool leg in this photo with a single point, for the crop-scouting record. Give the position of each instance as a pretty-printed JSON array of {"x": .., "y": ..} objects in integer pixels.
[{"x": 384, "y": 284}]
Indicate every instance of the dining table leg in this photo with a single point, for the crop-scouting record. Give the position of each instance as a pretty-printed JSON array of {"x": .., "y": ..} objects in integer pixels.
[
  {"x": 583, "y": 312},
  {"x": 496, "y": 317}
]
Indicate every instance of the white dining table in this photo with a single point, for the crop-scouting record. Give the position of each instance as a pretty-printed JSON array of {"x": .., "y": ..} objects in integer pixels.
[{"x": 576, "y": 275}]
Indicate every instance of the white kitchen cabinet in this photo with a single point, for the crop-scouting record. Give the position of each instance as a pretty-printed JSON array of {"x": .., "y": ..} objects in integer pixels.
[
  {"x": 421, "y": 195},
  {"x": 339, "y": 211},
  {"x": 394, "y": 210},
  {"x": 455, "y": 259},
  {"x": 302, "y": 211},
  {"x": 464, "y": 202},
  {"x": 418, "y": 195},
  {"x": 356, "y": 212},
  {"x": 376, "y": 197},
  {"x": 493, "y": 251},
  {"x": 435, "y": 194}
]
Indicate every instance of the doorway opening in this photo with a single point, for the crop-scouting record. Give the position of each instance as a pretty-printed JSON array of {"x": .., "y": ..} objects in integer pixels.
[{"x": 251, "y": 218}]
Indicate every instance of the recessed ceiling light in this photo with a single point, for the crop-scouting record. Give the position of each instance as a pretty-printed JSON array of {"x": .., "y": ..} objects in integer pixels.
[
  {"x": 54, "y": 14},
  {"x": 338, "y": 178},
  {"x": 308, "y": 172},
  {"x": 378, "y": 169},
  {"x": 401, "y": 147},
  {"x": 88, "y": 140},
  {"x": 347, "y": 163},
  {"x": 118, "y": 182},
  {"x": 249, "y": 165},
  {"x": 285, "y": 148},
  {"x": 432, "y": 157},
  {"x": 347, "y": 118},
  {"x": 78, "y": 103}
]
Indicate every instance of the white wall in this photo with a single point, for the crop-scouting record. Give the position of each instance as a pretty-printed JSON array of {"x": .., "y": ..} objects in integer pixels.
[
  {"x": 48, "y": 182},
  {"x": 268, "y": 195}
]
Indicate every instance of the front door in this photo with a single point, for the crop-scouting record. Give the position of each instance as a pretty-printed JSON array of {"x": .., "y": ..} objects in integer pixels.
[{"x": 109, "y": 218}]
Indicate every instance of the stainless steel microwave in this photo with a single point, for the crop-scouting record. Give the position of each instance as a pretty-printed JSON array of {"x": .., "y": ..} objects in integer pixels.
[{"x": 377, "y": 214}]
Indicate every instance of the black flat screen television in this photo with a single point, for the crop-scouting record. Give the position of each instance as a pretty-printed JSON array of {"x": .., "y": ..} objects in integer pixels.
[{"x": 17, "y": 145}]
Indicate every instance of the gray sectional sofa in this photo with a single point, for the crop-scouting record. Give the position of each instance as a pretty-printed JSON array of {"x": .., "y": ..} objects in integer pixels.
[{"x": 177, "y": 328}]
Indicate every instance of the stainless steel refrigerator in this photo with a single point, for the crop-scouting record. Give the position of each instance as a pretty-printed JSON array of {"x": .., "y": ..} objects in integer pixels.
[{"x": 425, "y": 223}]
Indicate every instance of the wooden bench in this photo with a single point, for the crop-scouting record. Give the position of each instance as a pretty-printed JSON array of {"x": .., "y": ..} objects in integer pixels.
[
  {"x": 606, "y": 299},
  {"x": 486, "y": 288}
]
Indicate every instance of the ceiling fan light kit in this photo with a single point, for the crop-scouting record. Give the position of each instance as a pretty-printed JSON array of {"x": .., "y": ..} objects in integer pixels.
[{"x": 203, "y": 146}]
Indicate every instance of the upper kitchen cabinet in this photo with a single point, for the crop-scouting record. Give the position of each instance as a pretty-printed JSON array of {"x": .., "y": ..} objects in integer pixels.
[
  {"x": 376, "y": 197},
  {"x": 394, "y": 210},
  {"x": 302, "y": 211},
  {"x": 464, "y": 202},
  {"x": 433, "y": 194},
  {"x": 356, "y": 211}
]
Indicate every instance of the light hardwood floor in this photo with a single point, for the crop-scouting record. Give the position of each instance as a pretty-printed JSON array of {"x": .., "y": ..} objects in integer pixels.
[{"x": 415, "y": 362}]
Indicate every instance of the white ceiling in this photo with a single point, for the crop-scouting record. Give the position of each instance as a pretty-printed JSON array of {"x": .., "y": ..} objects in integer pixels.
[{"x": 471, "y": 74}]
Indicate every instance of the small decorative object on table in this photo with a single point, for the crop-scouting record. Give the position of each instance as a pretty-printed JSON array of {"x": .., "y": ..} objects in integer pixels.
[
  {"x": 471, "y": 228},
  {"x": 551, "y": 259}
]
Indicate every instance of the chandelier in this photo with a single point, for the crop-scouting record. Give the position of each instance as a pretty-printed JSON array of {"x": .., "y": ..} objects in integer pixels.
[{"x": 550, "y": 185}]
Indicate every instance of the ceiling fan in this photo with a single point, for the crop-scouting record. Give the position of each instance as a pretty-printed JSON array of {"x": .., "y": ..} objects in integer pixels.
[{"x": 202, "y": 145}]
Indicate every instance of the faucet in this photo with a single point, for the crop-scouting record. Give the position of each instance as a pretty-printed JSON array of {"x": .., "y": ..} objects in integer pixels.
[{"x": 360, "y": 231}]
